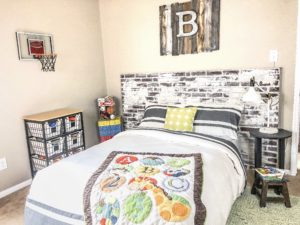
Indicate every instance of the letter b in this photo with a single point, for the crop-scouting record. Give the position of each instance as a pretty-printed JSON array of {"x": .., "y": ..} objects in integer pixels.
[{"x": 182, "y": 23}]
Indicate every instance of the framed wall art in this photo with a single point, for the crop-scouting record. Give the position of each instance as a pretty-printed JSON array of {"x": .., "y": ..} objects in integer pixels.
[
  {"x": 33, "y": 44},
  {"x": 189, "y": 27}
]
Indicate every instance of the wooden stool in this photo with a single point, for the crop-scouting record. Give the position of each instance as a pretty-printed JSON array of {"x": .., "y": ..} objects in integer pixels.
[{"x": 280, "y": 187}]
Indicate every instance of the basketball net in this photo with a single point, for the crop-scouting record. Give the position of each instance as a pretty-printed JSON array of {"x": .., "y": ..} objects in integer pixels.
[{"x": 47, "y": 61}]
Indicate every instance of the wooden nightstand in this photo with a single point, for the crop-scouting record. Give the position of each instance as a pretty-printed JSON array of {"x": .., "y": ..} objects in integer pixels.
[
  {"x": 261, "y": 185},
  {"x": 281, "y": 136}
]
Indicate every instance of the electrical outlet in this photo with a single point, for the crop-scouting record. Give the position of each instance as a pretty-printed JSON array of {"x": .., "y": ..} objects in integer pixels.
[
  {"x": 273, "y": 56},
  {"x": 3, "y": 164}
]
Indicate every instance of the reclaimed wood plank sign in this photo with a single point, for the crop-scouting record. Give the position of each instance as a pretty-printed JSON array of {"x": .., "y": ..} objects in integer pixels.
[{"x": 189, "y": 27}]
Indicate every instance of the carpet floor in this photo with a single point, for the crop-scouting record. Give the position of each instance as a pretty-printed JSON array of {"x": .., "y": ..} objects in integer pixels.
[{"x": 246, "y": 211}]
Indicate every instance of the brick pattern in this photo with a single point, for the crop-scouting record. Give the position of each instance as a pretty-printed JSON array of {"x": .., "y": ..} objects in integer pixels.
[{"x": 214, "y": 86}]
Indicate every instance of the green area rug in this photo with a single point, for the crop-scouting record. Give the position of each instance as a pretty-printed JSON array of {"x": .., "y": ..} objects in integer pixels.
[{"x": 246, "y": 211}]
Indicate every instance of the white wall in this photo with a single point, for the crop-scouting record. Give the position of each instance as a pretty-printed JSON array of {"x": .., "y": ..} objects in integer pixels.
[
  {"x": 79, "y": 78},
  {"x": 248, "y": 31}
]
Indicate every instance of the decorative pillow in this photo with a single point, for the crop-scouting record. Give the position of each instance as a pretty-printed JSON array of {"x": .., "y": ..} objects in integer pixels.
[
  {"x": 154, "y": 116},
  {"x": 180, "y": 119},
  {"x": 218, "y": 120}
]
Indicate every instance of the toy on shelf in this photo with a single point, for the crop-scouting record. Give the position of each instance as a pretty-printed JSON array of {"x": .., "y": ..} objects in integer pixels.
[
  {"x": 106, "y": 108},
  {"x": 109, "y": 123}
]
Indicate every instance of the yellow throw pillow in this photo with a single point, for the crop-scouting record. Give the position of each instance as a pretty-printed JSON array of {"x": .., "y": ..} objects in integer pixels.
[{"x": 180, "y": 119}]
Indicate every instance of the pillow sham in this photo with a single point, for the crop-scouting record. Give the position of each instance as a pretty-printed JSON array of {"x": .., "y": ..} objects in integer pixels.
[
  {"x": 154, "y": 116},
  {"x": 180, "y": 119},
  {"x": 218, "y": 120}
]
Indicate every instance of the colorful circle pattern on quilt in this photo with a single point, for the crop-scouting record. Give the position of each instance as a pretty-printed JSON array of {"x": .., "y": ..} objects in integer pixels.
[
  {"x": 112, "y": 183},
  {"x": 142, "y": 183},
  {"x": 109, "y": 211},
  {"x": 176, "y": 172},
  {"x": 152, "y": 161},
  {"x": 146, "y": 170},
  {"x": 178, "y": 162},
  {"x": 126, "y": 159},
  {"x": 121, "y": 168},
  {"x": 176, "y": 184},
  {"x": 181, "y": 209},
  {"x": 137, "y": 207}
]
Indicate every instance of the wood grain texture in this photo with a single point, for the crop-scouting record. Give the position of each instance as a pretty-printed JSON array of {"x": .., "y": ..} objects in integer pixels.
[
  {"x": 215, "y": 25},
  {"x": 208, "y": 25},
  {"x": 174, "y": 25},
  {"x": 44, "y": 116},
  {"x": 208, "y": 21},
  {"x": 180, "y": 40},
  {"x": 201, "y": 22},
  {"x": 163, "y": 35},
  {"x": 195, "y": 4},
  {"x": 187, "y": 41}
]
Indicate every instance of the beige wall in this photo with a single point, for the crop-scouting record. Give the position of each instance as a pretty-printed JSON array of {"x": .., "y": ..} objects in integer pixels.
[
  {"x": 249, "y": 29},
  {"x": 24, "y": 89}
]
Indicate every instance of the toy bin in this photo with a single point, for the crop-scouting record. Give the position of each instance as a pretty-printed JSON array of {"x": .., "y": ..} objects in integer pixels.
[
  {"x": 105, "y": 131},
  {"x": 52, "y": 147},
  {"x": 73, "y": 123},
  {"x": 109, "y": 128},
  {"x": 105, "y": 138},
  {"x": 52, "y": 128},
  {"x": 74, "y": 140},
  {"x": 40, "y": 162}
]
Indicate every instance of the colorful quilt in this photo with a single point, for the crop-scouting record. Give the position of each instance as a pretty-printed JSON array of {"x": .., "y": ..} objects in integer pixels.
[{"x": 146, "y": 188}]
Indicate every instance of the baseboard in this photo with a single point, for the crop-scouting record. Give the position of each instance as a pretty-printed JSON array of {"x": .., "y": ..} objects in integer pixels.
[{"x": 15, "y": 188}]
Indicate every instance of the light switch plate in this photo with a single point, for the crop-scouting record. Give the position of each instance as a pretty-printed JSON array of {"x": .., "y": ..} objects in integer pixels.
[
  {"x": 273, "y": 56},
  {"x": 3, "y": 164}
]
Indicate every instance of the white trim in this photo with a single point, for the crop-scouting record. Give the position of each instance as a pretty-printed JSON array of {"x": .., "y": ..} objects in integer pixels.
[
  {"x": 288, "y": 172},
  {"x": 296, "y": 108},
  {"x": 15, "y": 188}
]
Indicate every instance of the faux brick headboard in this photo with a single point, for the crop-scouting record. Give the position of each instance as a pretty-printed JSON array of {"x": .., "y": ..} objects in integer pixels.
[{"x": 217, "y": 86}]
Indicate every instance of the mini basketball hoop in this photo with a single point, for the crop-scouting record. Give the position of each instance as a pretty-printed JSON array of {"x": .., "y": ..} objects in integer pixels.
[{"x": 48, "y": 62}]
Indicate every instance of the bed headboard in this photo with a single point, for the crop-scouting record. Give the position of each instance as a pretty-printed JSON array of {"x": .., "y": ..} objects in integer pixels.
[{"x": 213, "y": 86}]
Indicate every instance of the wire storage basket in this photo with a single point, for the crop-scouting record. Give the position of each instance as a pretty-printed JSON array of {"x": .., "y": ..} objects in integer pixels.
[
  {"x": 74, "y": 140},
  {"x": 52, "y": 147},
  {"x": 52, "y": 128},
  {"x": 40, "y": 162},
  {"x": 73, "y": 123}
]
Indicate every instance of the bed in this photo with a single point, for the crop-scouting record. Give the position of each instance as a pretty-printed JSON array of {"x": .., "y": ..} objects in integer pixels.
[
  {"x": 80, "y": 189},
  {"x": 58, "y": 194}
]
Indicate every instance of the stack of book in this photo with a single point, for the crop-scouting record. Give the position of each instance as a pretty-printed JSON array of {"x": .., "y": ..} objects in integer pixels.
[{"x": 270, "y": 173}]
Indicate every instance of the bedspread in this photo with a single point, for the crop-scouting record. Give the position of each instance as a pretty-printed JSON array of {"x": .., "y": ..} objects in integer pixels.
[{"x": 57, "y": 193}]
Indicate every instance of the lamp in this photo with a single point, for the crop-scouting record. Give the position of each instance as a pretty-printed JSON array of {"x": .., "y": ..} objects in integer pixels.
[{"x": 253, "y": 97}]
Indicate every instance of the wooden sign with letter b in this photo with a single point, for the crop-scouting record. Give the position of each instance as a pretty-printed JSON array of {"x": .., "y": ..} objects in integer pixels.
[{"x": 189, "y": 27}]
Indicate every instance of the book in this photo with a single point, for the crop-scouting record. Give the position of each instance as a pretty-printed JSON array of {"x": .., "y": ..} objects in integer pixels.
[{"x": 270, "y": 173}]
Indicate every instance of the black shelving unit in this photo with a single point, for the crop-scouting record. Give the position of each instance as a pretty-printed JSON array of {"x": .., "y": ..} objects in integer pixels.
[{"x": 52, "y": 136}]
